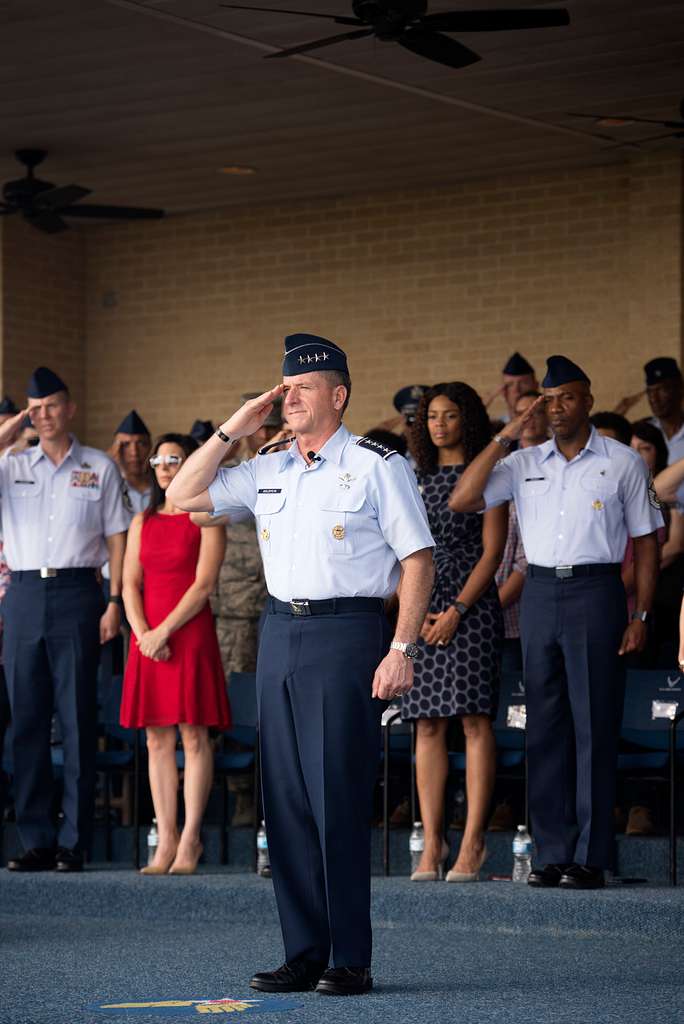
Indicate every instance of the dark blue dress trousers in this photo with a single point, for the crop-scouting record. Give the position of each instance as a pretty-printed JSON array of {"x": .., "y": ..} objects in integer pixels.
[
  {"x": 51, "y": 649},
  {"x": 571, "y": 631},
  {"x": 320, "y": 746}
]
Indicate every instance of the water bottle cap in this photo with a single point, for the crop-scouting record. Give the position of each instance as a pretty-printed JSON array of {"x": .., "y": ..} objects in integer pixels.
[
  {"x": 263, "y": 824},
  {"x": 522, "y": 828},
  {"x": 417, "y": 824}
]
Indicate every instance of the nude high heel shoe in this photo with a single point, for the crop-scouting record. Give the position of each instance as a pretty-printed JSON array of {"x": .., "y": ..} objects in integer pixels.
[
  {"x": 187, "y": 867},
  {"x": 433, "y": 876},
  {"x": 468, "y": 876}
]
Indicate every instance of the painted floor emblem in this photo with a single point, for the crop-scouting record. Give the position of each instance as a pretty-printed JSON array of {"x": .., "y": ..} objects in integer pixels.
[{"x": 196, "y": 1007}]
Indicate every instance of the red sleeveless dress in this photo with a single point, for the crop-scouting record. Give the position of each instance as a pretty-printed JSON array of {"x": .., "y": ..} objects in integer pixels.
[{"x": 191, "y": 686}]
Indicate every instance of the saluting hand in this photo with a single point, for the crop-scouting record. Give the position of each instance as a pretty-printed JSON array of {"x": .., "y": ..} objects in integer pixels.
[
  {"x": 393, "y": 676},
  {"x": 514, "y": 429},
  {"x": 251, "y": 415},
  {"x": 11, "y": 428}
]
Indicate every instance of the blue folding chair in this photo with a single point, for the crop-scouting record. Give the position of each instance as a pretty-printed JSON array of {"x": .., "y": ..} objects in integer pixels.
[
  {"x": 245, "y": 733},
  {"x": 119, "y": 751}
]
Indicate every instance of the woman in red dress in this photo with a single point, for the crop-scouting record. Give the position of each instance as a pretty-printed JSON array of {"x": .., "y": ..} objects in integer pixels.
[{"x": 174, "y": 678}]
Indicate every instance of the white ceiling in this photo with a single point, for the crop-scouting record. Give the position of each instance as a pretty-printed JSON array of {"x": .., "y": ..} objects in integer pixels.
[{"x": 144, "y": 109}]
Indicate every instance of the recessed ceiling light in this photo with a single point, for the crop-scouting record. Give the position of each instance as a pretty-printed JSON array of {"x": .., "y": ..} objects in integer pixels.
[{"x": 237, "y": 170}]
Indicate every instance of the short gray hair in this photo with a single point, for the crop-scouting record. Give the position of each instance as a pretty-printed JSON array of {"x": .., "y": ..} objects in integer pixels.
[{"x": 338, "y": 378}]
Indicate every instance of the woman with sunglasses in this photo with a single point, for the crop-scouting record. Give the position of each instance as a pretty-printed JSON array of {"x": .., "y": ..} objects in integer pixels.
[{"x": 174, "y": 678}]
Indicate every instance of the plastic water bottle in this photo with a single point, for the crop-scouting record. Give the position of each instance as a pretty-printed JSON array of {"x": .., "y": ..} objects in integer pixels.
[
  {"x": 416, "y": 844},
  {"x": 522, "y": 854},
  {"x": 263, "y": 861},
  {"x": 152, "y": 841}
]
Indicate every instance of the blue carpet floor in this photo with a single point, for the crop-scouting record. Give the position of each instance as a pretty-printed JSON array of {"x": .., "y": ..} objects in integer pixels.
[{"x": 475, "y": 954}]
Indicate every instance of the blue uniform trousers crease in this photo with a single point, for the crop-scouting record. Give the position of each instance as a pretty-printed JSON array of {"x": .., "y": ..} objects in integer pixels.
[
  {"x": 320, "y": 743},
  {"x": 571, "y": 631},
  {"x": 51, "y": 650}
]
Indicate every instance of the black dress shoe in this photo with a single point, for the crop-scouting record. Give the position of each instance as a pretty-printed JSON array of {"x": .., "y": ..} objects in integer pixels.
[
  {"x": 68, "y": 860},
  {"x": 345, "y": 981},
  {"x": 296, "y": 976},
  {"x": 38, "y": 859},
  {"x": 579, "y": 876},
  {"x": 547, "y": 877}
]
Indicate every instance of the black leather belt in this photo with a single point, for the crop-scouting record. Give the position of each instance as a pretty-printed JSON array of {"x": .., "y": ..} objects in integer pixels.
[
  {"x": 569, "y": 572},
  {"x": 50, "y": 574},
  {"x": 335, "y": 606}
]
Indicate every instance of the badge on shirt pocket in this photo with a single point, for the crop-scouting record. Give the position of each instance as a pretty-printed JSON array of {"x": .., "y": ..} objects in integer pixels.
[{"x": 269, "y": 504}]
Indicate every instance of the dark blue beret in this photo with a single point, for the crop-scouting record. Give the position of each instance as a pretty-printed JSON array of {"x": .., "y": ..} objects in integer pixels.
[
  {"x": 306, "y": 353},
  {"x": 663, "y": 368},
  {"x": 406, "y": 401},
  {"x": 44, "y": 382},
  {"x": 7, "y": 407},
  {"x": 517, "y": 366},
  {"x": 201, "y": 430},
  {"x": 132, "y": 424},
  {"x": 561, "y": 370}
]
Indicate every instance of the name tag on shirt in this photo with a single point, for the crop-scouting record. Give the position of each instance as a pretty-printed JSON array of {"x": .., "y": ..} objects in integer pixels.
[
  {"x": 270, "y": 490},
  {"x": 86, "y": 478},
  {"x": 534, "y": 479},
  {"x": 31, "y": 482}
]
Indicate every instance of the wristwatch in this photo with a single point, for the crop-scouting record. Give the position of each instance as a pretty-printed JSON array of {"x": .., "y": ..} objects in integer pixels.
[
  {"x": 408, "y": 650},
  {"x": 505, "y": 442},
  {"x": 461, "y": 608},
  {"x": 115, "y": 599},
  {"x": 224, "y": 437},
  {"x": 638, "y": 616}
]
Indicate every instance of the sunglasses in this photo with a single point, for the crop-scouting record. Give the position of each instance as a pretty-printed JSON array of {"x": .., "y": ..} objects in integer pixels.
[{"x": 166, "y": 460}]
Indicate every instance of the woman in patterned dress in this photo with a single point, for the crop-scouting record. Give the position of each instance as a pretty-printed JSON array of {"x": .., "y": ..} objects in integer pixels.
[{"x": 457, "y": 673}]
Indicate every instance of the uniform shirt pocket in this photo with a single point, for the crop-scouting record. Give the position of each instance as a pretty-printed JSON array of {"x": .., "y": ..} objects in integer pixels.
[
  {"x": 599, "y": 491},
  {"x": 341, "y": 520},
  {"x": 533, "y": 495},
  {"x": 269, "y": 506},
  {"x": 23, "y": 493},
  {"x": 84, "y": 506}
]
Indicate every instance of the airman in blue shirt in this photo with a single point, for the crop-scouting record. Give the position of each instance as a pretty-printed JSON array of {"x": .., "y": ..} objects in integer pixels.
[
  {"x": 63, "y": 515},
  {"x": 339, "y": 520},
  {"x": 578, "y": 497}
]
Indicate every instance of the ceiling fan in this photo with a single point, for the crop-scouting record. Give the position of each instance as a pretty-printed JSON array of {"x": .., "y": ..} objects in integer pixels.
[
  {"x": 407, "y": 22},
  {"x": 624, "y": 120},
  {"x": 43, "y": 205}
]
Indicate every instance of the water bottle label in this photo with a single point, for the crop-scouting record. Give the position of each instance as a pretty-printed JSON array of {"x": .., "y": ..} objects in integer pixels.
[
  {"x": 522, "y": 846},
  {"x": 416, "y": 845},
  {"x": 262, "y": 843}
]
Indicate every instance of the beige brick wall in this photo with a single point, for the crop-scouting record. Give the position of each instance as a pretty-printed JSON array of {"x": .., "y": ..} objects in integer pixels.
[
  {"x": 183, "y": 315},
  {"x": 43, "y": 309}
]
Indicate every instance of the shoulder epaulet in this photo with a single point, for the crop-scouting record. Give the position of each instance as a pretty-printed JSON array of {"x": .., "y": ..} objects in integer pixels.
[{"x": 375, "y": 446}]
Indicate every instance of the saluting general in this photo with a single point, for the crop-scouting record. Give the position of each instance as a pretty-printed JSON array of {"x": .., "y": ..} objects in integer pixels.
[
  {"x": 578, "y": 498},
  {"x": 340, "y": 521},
  {"x": 63, "y": 517}
]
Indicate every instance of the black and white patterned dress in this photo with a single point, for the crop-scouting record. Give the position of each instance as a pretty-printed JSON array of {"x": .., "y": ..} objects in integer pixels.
[{"x": 461, "y": 678}]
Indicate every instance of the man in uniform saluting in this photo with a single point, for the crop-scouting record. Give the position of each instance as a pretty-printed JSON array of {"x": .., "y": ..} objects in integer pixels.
[
  {"x": 62, "y": 517},
  {"x": 578, "y": 497},
  {"x": 339, "y": 520}
]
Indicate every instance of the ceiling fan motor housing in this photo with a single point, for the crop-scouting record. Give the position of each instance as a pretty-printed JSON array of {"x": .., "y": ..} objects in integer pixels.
[
  {"x": 22, "y": 192},
  {"x": 389, "y": 18}
]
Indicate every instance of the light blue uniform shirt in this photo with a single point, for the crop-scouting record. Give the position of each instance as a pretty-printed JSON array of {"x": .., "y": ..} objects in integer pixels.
[
  {"x": 337, "y": 528},
  {"x": 58, "y": 516},
  {"x": 134, "y": 501},
  {"x": 675, "y": 448},
  {"x": 579, "y": 512}
]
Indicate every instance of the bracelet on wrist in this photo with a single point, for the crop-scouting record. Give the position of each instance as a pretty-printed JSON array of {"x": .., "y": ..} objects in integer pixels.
[
  {"x": 224, "y": 437},
  {"x": 461, "y": 608},
  {"x": 504, "y": 442}
]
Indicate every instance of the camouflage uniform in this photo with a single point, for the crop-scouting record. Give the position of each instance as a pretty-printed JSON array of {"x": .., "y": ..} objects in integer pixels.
[{"x": 239, "y": 599}]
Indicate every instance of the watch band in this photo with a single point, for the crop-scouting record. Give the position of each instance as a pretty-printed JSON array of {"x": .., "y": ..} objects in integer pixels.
[
  {"x": 461, "y": 608},
  {"x": 639, "y": 616},
  {"x": 224, "y": 437},
  {"x": 115, "y": 599},
  {"x": 504, "y": 442}
]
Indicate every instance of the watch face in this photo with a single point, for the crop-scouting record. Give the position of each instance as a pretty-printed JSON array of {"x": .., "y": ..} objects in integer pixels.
[{"x": 412, "y": 650}]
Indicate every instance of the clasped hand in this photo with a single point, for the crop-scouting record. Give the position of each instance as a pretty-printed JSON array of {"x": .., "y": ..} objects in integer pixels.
[
  {"x": 154, "y": 644},
  {"x": 439, "y": 627},
  {"x": 393, "y": 676}
]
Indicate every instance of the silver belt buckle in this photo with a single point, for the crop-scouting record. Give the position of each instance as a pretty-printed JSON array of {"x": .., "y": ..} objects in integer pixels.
[
  {"x": 47, "y": 574},
  {"x": 300, "y": 607},
  {"x": 564, "y": 572}
]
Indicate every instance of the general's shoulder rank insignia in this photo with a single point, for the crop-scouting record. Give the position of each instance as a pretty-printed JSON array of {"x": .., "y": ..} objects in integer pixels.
[
  {"x": 652, "y": 496},
  {"x": 375, "y": 446}
]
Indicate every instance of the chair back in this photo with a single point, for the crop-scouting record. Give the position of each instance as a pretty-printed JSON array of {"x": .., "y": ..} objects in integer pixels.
[
  {"x": 652, "y": 697},
  {"x": 243, "y": 707},
  {"x": 511, "y": 701}
]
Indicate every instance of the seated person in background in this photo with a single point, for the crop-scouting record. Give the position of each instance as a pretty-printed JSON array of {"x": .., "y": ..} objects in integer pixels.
[{"x": 611, "y": 424}]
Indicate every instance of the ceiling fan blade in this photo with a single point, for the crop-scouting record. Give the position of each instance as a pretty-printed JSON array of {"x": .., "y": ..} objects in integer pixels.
[
  {"x": 627, "y": 119},
  {"x": 496, "y": 20},
  {"x": 56, "y": 198},
  {"x": 438, "y": 47},
  {"x": 47, "y": 221},
  {"x": 339, "y": 19},
  {"x": 318, "y": 43},
  {"x": 112, "y": 212},
  {"x": 667, "y": 135}
]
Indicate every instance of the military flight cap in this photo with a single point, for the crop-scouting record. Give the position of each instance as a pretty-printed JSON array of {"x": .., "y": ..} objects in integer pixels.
[
  {"x": 406, "y": 400},
  {"x": 663, "y": 368},
  {"x": 561, "y": 370},
  {"x": 275, "y": 416},
  {"x": 201, "y": 430},
  {"x": 306, "y": 353},
  {"x": 44, "y": 382},
  {"x": 517, "y": 366},
  {"x": 132, "y": 424},
  {"x": 7, "y": 407}
]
